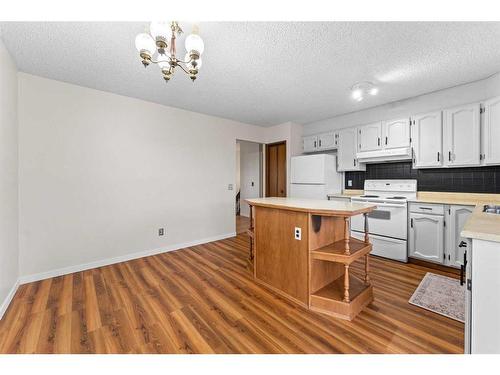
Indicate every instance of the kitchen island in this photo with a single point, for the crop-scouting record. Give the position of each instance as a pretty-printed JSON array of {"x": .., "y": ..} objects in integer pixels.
[{"x": 302, "y": 250}]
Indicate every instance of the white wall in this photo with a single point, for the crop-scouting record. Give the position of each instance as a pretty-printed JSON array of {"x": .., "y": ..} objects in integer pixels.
[
  {"x": 249, "y": 172},
  {"x": 9, "y": 249},
  {"x": 99, "y": 173},
  {"x": 463, "y": 94}
]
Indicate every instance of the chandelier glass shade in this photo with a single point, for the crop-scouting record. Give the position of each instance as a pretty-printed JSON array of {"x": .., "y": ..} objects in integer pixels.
[{"x": 159, "y": 47}]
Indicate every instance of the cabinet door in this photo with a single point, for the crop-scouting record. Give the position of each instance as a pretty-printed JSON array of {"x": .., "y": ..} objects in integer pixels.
[
  {"x": 346, "y": 154},
  {"x": 427, "y": 237},
  {"x": 370, "y": 137},
  {"x": 458, "y": 215},
  {"x": 491, "y": 131},
  {"x": 462, "y": 136},
  {"x": 310, "y": 144},
  {"x": 396, "y": 133},
  {"x": 326, "y": 141},
  {"x": 427, "y": 135}
]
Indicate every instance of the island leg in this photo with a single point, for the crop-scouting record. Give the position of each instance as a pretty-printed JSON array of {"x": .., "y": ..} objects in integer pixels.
[
  {"x": 365, "y": 215},
  {"x": 347, "y": 235},
  {"x": 367, "y": 270},
  {"x": 252, "y": 231},
  {"x": 346, "y": 284}
]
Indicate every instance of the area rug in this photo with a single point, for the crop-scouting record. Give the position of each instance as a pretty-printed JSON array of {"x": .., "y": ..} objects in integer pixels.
[{"x": 442, "y": 295}]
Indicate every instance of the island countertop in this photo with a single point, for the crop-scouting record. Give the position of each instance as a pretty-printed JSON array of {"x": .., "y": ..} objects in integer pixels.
[{"x": 314, "y": 206}]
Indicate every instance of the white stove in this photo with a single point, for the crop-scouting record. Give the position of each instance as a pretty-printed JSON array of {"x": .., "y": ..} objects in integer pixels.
[{"x": 388, "y": 223}]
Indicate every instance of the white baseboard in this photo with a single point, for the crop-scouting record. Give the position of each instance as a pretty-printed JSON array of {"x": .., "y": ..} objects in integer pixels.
[
  {"x": 106, "y": 262},
  {"x": 8, "y": 299}
]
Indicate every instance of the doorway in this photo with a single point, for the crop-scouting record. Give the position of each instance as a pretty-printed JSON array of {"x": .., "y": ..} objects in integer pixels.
[
  {"x": 249, "y": 161},
  {"x": 276, "y": 169}
]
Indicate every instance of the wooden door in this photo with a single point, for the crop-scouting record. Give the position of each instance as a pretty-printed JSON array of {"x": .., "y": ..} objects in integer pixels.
[
  {"x": 397, "y": 133},
  {"x": 276, "y": 170},
  {"x": 491, "y": 131},
  {"x": 462, "y": 136},
  {"x": 370, "y": 137},
  {"x": 427, "y": 237},
  {"x": 427, "y": 135}
]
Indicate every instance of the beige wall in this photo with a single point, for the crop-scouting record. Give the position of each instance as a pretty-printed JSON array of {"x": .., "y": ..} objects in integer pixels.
[
  {"x": 100, "y": 173},
  {"x": 9, "y": 250}
]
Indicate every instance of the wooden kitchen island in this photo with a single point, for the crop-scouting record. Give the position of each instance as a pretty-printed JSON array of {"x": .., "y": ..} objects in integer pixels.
[{"x": 310, "y": 268}]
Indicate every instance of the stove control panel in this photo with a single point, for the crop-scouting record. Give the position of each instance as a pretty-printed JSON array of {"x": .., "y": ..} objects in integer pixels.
[{"x": 391, "y": 185}]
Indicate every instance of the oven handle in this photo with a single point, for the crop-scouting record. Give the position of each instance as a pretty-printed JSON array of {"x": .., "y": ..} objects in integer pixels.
[{"x": 383, "y": 204}]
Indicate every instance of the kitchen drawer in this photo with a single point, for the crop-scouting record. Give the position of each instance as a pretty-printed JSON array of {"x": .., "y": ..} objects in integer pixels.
[{"x": 426, "y": 208}]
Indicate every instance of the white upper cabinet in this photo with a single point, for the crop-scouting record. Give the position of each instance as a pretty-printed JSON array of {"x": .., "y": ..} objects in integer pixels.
[
  {"x": 491, "y": 131},
  {"x": 370, "y": 137},
  {"x": 327, "y": 141},
  {"x": 427, "y": 136},
  {"x": 346, "y": 154},
  {"x": 462, "y": 136},
  {"x": 310, "y": 144},
  {"x": 396, "y": 133}
]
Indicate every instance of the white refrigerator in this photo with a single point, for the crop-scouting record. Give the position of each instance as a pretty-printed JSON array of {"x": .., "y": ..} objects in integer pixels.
[{"x": 314, "y": 176}]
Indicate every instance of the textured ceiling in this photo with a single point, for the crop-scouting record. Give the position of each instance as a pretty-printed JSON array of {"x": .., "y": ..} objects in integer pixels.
[{"x": 266, "y": 73}]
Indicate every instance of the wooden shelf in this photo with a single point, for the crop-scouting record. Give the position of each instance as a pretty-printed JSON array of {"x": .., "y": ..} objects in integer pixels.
[
  {"x": 329, "y": 299},
  {"x": 335, "y": 252}
]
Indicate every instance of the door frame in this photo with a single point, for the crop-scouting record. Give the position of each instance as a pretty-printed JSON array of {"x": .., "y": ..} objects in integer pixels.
[{"x": 266, "y": 166}]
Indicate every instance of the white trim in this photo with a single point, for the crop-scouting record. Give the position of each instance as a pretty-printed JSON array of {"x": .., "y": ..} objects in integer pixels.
[
  {"x": 8, "y": 299},
  {"x": 123, "y": 258}
]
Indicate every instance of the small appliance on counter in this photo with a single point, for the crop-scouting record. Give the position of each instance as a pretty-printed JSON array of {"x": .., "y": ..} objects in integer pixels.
[{"x": 314, "y": 176}]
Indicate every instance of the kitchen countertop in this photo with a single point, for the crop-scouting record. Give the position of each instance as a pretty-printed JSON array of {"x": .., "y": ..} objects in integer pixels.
[
  {"x": 314, "y": 206},
  {"x": 346, "y": 194},
  {"x": 482, "y": 226}
]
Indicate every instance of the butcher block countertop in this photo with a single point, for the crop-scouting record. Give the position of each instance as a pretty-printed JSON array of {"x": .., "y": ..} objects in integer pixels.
[
  {"x": 482, "y": 225},
  {"x": 314, "y": 206}
]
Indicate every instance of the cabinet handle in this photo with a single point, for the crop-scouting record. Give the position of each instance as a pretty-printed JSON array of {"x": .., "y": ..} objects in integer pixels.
[
  {"x": 438, "y": 155},
  {"x": 411, "y": 222},
  {"x": 462, "y": 268},
  {"x": 462, "y": 244},
  {"x": 354, "y": 162},
  {"x": 426, "y": 208},
  {"x": 378, "y": 142},
  {"x": 315, "y": 144},
  {"x": 320, "y": 143},
  {"x": 449, "y": 155},
  {"x": 386, "y": 140}
]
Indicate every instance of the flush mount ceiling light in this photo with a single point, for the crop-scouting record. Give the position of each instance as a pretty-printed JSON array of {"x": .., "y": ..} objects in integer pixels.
[
  {"x": 362, "y": 89},
  {"x": 152, "y": 48}
]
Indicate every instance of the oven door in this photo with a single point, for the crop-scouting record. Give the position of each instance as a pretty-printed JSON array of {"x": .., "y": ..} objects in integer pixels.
[{"x": 388, "y": 219}]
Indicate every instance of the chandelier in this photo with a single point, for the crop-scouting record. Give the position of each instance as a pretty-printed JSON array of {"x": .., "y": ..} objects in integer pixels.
[{"x": 153, "y": 48}]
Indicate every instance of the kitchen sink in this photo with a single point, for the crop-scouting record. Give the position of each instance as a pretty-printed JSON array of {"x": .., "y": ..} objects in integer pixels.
[{"x": 491, "y": 209}]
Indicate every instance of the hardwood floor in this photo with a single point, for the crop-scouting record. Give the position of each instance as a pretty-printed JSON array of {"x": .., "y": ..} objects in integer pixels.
[
  {"x": 202, "y": 299},
  {"x": 242, "y": 223}
]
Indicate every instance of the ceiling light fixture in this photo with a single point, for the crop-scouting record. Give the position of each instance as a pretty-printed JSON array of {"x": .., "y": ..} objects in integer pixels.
[
  {"x": 152, "y": 48},
  {"x": 361, "y": 89}
]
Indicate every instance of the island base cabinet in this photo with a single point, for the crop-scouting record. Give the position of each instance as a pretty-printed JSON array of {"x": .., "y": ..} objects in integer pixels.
[{"x": 307, "y": 259}]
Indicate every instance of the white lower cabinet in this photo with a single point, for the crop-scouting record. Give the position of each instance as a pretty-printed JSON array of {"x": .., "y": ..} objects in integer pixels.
[
  {"x": 456, "y": 218},
  {"x": 426, "y": 234},
  {"x": 434, "y": 233}
]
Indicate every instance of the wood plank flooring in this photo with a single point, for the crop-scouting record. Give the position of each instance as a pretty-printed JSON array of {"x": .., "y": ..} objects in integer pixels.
[
  {"x": 242, "y": 224},
  {"x": 202, "y": 299}
]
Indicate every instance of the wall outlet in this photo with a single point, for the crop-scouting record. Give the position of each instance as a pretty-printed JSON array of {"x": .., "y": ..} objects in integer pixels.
[
  {"x": 349, "y": 182},
  {"x": 161, "y": 232},
  {"x": 298, "y": 233},
  {"x": 230, "y": 187}
]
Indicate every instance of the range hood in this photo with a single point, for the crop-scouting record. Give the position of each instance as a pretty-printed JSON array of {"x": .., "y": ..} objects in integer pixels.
[{"x": 379, "y": 156}]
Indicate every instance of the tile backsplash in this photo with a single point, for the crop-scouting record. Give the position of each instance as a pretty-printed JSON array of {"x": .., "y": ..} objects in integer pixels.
[{"x": 467, "y": 180}]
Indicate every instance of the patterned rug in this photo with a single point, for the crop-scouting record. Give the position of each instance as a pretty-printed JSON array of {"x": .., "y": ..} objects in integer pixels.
[{"x": 442, "y": 295}]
